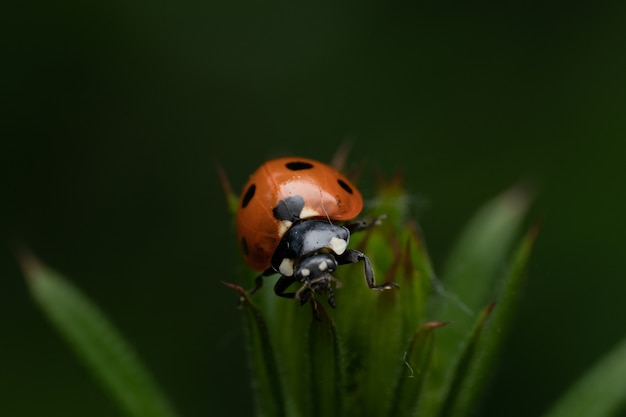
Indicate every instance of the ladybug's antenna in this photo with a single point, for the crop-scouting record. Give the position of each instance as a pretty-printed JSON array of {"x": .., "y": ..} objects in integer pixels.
[{"x": 324, "y": 208}]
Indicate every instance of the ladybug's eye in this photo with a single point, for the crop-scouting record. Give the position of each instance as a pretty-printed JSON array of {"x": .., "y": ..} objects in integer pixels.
[
  {"x": 248, "y": 196},
  {"x": 298, "y": 165},
  {"x": 344, "y": 185}
]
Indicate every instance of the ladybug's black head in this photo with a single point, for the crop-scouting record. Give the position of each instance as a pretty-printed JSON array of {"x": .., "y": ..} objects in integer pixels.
[
  {"x": 315, "y": 266},
  {"x": 315, "y": 274}
]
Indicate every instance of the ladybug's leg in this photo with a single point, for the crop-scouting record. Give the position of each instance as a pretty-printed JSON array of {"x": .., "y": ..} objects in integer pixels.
[
  {"x": 281, "y": 286},
  {"x": 352, "y": 256},
  {"x": 331, "y": 297},
  {"x": 258, "y": 281},
  {"x": 364, "y": 225},
  {"x": 304, "y": 292}
]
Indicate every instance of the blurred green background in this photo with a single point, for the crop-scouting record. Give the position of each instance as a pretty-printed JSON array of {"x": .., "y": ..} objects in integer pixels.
[{"x": 116, "y": 113}]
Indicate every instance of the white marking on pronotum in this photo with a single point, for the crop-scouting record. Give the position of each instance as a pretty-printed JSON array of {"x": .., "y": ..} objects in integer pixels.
[
  {"x": 338, "y": 245},
  {"x": 286, "y": 267},
  {"x": 407, "y": 365},
  {"x": 308, "y": 212},
  {"x": 283, "y": 226}
]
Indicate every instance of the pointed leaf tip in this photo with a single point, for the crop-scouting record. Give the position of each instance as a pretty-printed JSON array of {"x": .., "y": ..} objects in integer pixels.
[
  {"x": 489, "y": 309},
  {"x": 235, "y": 287},
  {"x": 231, "y": 197},
  {"x": 519, "y": 196},
  {"x": 599, "y": 392},
  {"x": 28, "y": 261},
  {"x": 96, "y": 341},
  {"x": 225, "y": 183},
  {"x": 435, "y": 324},
  {"x": 414, "y": 370},
  {"x": 244, "y": 296},
  {"x": 340, "y": 157}
]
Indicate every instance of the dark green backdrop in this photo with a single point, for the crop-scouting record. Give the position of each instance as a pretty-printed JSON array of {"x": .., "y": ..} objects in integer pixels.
[{"x": 115, "y": 114}]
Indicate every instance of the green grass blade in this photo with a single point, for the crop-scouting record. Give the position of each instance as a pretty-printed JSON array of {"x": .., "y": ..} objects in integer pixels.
[
  {"x": 479, "y": 256},
  {"x": 371, "y": 323},
  {"x": 326, "y": 380},
  {"x": 266, "y": 382},
  {"x": 415, "y": 276},
  {"x": 470, "y": 283},
  {"x": 455, "y": 402},
  {"x": 95, "y": 340},
  {"x": 472, "y": 380},
  {"x": 601, "y": 392},
  {"x": 414, "y": 370}
]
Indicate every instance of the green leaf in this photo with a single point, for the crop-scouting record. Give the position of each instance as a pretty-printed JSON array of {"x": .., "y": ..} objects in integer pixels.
[
  {"x": 481, "y": 363},
  {"x": 601, "y": 392},
  {"x": 370, "y": 323},
  {"x": 266, "y": 382},
  {"x": 470, "y": 283},
  {"x": 365, "y": 357},
  {"x": 415, "y": 276},
  {"x": 479, "y": 257},
  {"x": 288, "y": 324},
  {"x": 326, "y": 382},
  {"x": 413, "y": 372},
  {"x": 456, "y": 402},
  {"x": 96, "y": 342}
]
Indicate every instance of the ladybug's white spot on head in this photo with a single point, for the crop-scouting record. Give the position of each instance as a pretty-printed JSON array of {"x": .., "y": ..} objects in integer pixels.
[
  {"x": 305, "y": 272},
  {"x": 338, "y": 245},
  {"x": 323, "y": 266},
  {"x": 283, "y": 226},
  {"x": 286, "y": 267}
]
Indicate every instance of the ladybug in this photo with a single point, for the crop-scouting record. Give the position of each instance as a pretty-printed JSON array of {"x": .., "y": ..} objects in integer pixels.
[{"x": 291, "y": 221}]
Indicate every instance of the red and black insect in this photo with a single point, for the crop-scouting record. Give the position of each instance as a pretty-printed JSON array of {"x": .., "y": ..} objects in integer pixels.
[{"x": 290, "y": 222}]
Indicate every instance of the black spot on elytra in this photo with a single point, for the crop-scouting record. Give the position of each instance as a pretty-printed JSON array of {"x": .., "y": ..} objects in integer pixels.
[
  {"x": 248, "y": 195},
  {"x": 344, "y": 185},
  {"x": 298, "y": 165},
  {"x": 244, "y": 246},
  {"x": 289, "y": 208}
]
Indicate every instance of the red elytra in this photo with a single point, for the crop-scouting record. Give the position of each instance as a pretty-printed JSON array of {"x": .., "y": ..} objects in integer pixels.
[{"x": 284, "y": 190}]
